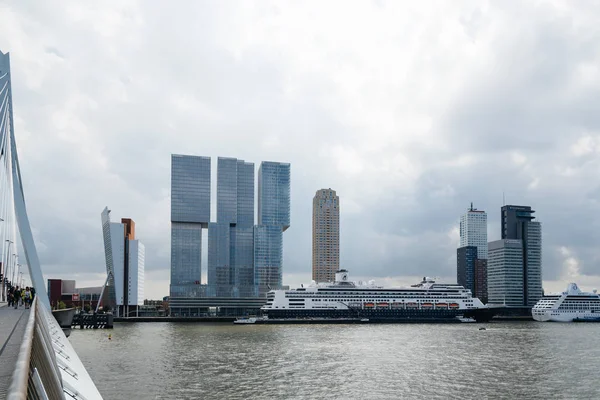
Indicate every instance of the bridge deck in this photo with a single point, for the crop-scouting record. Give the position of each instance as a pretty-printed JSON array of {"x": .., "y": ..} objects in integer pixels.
[{"x": 12, "y": 328}]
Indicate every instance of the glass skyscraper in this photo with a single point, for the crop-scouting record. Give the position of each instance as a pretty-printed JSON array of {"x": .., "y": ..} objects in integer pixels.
[
  {"x": 124, "y": 256},
  {"x": 230, "y": 239},
  {"x": 518, "y": 224},
  {"x": 244, "y": 260},
  {"x": 273, "y": 220},
  {"x": 190, "y": 212},
  {"x": 274, "y": 194}
]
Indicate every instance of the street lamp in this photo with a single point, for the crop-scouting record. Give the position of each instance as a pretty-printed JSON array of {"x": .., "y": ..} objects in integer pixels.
[{"x": 14, "y": 264}]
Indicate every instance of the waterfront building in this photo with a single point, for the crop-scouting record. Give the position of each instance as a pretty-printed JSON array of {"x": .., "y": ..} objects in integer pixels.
[
  {"x": 125, "y": 263},
  {"x": 481, "y": 280},
  {"x": 473, "y": 247},
  {"x": 518, "y": 224},
  {"x": 273, "y": 220},
  {"x": 505, "y": 272},
  {"x": 465, "y": 267},
  {"x": 72, "y": 296},
  {"x": 190, "y": 214},
  {"x": 473, "y": 231},
  {"x": 230, "y": 239},
  {"x": 325, "y": 235}
]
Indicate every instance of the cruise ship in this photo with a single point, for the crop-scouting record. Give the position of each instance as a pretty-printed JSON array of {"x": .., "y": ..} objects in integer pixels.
[
  {"x": 570, "y": 305},
  {"x": 427, "y": 301}
]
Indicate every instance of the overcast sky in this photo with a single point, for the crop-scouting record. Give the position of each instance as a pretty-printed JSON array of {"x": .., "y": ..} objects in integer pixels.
[{"x": 410, "y": 111}]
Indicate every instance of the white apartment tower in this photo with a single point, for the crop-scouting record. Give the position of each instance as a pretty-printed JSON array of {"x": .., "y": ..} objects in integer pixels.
[
  {"x": 473, "y": 231},
  {"x": 326, "y": 235}
]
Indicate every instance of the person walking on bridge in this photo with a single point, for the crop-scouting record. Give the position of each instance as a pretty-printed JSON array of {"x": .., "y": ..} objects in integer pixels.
[
  {"x": 16, "y": 296},
  {"x": 27, "y": 297}
]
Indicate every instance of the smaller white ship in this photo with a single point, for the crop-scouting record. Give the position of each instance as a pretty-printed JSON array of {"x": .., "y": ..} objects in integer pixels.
[{"x": 568, "y": 306}]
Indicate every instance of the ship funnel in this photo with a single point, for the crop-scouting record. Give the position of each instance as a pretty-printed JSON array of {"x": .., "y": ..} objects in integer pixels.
[{"x": 341, "y": 276}]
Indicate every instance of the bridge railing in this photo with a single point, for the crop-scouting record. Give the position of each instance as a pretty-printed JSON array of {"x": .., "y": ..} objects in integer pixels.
[{"x": 36, "y": 374}]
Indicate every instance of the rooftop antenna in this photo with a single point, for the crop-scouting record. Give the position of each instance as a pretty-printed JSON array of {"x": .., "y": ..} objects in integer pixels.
[
  {"x": 471, "y": 206},
  {"x": 503, "y": 199}
]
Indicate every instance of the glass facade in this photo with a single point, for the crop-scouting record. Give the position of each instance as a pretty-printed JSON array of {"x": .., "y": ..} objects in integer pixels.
[
  {"x": 242, "y": 259},
  {"x": 534, "y": 263},
  {"x": 505, "y": 272},
  {"x": 219, "y": 259},
  {"x": 273, "y": 220},
  {"x": 230, "y": 239},
  {"x": 190, "y": 212},
  {"x": 245, "y": 194},
  {"x": 186, "y": 246},
  {"x": 473, "y": 231},
  {"x": 465, "y": 267},
  {"x": 274, "y": 194},
  {"x": 268, "y": 257},
  {"x": 518, "y": 224},
  {"x": 190, "y": 189}
]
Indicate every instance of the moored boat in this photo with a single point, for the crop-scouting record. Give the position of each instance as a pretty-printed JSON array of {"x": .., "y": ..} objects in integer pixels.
[
  {"x": 426, "y": 301},
  {"x": 572, "y": 305}
]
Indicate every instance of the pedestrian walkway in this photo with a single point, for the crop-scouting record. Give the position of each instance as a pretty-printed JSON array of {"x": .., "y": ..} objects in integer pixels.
[{"x": 12, "y": 328}]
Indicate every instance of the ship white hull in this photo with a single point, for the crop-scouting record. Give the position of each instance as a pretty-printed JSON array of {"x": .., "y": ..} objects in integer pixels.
[{"x": 553, "y": 316}]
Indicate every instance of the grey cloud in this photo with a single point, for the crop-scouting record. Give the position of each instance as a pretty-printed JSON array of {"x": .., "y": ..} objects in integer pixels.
[{"x": 103, "y": 95}]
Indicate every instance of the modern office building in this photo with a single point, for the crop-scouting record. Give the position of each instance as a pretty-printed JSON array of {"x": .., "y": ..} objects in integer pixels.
[
  {"x": 230, "y": 239},
  {"x": 274, "y": 194},
  {"x": 190, "y": 214},
  {"x": 465, "y": 267},
  {"x": 473, "y": 247},
  {"x": 125, "y": 261},
  {"x": 325, "y": 235},
  {"x": 505, "y": 272},
  {"x": 244, "y": 259},
  {"x": 481, "y": 280},
  {"x": 273, "y": 220},
  {"x": 518, "y": 224},
  {"x": 473, "y": 231}
]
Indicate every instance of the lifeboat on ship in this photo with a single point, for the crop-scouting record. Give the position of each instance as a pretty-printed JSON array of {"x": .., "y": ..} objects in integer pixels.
[
  {"x": 454, "y": 306},
  {"x": 369, "y": 305},
  {"x": 383, "y": 305},
  {"x": 426, "y": 305},
  {"x": 441, "y": 305}
]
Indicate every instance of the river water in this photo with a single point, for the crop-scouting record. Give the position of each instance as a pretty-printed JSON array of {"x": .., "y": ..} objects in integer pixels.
[{"x": 509, "y": 360}]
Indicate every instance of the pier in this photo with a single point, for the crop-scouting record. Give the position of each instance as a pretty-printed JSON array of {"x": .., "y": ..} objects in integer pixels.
[{"x": 92, "y": 321}]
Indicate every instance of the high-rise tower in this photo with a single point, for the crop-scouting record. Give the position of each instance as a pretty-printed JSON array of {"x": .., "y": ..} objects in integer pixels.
[
  {"x": 125, "y": 256},
  {"x": 473, "y": 231},
  {"x": 471, "y": 256},
  {"x": 518, "y": 224},
  {"x": 230, "y": 239},
  {"x": 190, "y": 213},
  {"x": 273, "y": 220},
  {"x": 326, "y": 235}
]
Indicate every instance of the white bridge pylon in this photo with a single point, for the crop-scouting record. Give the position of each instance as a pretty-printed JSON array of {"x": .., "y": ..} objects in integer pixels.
[{"x": 13, "y": 211}]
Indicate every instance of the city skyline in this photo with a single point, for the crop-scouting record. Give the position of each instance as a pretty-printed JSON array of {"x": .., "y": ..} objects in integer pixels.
[{"x": 408, "y": 154}]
